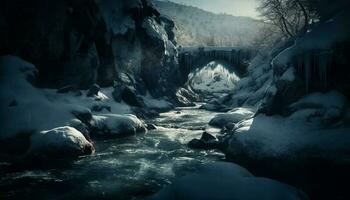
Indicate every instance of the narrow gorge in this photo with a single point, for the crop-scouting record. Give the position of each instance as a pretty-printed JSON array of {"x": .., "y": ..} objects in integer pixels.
[{"x": 148, "y": 99}]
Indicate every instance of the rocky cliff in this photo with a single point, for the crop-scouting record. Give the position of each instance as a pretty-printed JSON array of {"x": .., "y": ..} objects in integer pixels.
[{"x": 82, "y": 42}]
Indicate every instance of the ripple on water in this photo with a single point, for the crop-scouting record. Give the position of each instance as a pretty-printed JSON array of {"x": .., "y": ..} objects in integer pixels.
[{"x": 124, "y": 168}]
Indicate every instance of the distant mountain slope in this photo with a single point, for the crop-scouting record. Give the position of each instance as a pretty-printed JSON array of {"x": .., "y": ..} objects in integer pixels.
[{"x": 196, "y": 27}]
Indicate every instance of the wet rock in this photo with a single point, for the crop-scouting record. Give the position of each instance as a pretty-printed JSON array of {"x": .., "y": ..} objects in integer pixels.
[
  {"x": 207, "y": 137},
  {"x": 197, "y": 144},
  {"x": 151, "y": 127},
  {"x": 94, "y": 89},
  {"x": 207, "y": 141}
]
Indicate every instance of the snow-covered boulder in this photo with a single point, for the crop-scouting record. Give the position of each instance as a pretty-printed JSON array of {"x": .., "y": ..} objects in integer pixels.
[
  {"x": 224, "y": 181},
  {"x": 115, "y": 125},
  {"x": 332, "y": 99},
  {"x": 277, "y": 137},
  {"x": 234, "y": 116},
  {"x": 58, "y": 143},
  {"x": 327, "y": 107}
]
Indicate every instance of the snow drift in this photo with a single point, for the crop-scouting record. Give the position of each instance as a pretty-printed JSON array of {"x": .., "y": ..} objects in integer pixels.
[{"x": 227, "y": 181}]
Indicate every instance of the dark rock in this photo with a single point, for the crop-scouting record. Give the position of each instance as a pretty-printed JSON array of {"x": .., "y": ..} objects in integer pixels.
[
  {"x": 84, "y": 115},
  {"x": 129, "y": 96},
  {"x": 207, "y": 141},
  {"x": 145, "y": 113},
  {"x": 151, "y": 127},
  {"x": 94, "y": 89},
  {"x": 207, "y": 137},
  {"x": 197, "y": 144},
  {"x": 117, "y": 94},
  {"x": 178, "y": 112}
]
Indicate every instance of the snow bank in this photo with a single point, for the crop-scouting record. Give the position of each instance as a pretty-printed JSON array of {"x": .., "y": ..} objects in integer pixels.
[
  {"x": 322, "y": 36},
  {"x": 59, "y": 142},
  {"x": 157, "y": 104},
  {"x": 276, "y": 136},
  {"x": 234, "y": 116},
  {"x": 114, "y": 125},
  {"x": 332, "y": 99},
  {"x": 24, "y": 108},
  {"x": 227, "y": 181}
]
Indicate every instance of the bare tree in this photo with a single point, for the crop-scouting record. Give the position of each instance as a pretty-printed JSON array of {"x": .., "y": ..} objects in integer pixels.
[{"x": 290, "y": 16}]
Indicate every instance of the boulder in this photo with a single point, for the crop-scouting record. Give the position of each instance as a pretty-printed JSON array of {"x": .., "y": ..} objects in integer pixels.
[
  {"x": 93, "y": 90},
  {"x": 207, "y": 141},
  {"x": 145, "y": 113},
  {"x": 234, "y": 116},
  {"x": 207, "y": 137},
  {"x": 59, "y": 143},
  {"x": 115, "y": 125}
]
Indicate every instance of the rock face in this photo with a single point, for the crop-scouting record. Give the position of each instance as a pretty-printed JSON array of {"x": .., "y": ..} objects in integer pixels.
[{"x": 82, "y": 42}]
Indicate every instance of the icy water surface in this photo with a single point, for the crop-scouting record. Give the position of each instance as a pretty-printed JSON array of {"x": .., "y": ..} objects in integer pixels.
[{"x": 127, "y": 168}]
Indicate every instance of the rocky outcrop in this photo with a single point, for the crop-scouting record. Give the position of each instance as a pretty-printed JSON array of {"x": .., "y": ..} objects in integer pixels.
[{"x": 83, "y": 42}]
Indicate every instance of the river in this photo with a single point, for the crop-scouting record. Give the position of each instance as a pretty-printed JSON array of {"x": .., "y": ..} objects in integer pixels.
[{"x": 125, "y": 168}]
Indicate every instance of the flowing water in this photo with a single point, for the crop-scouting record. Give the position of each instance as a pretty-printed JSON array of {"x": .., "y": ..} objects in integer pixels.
[{"x": 127, "y": 168}]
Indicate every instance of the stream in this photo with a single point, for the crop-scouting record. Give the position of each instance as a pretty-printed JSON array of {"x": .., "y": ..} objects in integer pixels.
[{"x": 126, "y": 168}]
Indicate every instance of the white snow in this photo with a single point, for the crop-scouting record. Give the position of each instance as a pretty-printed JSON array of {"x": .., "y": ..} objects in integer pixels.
[
  {"x": 332, "y": 99},
  {"x": 276, "y": 136},
  {"x": 321, "y": 38},
  {"x": 153, "y": 103},
  {"x": 117, "y": 125},
  {"x": 234, "y": 116},
  {"x": 59, "y": 140},
  {"x": 223, "y": 181}
]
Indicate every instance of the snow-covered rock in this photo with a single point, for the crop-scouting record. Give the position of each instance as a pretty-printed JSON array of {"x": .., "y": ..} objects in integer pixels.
[
  {"x": 157, "y": 104},
  {"x": 234, "y": 116},
  {"x": 114, "y": 125},
  {"x": 279, "y": 137},
  {"x": 225, "y": 181},
  {"x": 59, "y": 142},
  {"x": 332, "y": 99}
]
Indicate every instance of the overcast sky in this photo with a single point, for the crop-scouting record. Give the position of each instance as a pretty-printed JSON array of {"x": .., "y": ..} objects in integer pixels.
[{"x": 234, "y": 7}]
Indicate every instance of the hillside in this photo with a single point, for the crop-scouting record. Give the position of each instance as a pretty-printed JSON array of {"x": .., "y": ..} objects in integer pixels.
[{"x": 197, "y": 27}]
